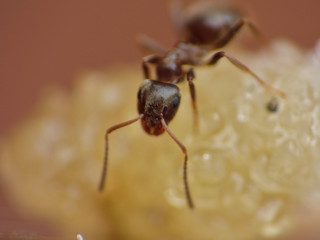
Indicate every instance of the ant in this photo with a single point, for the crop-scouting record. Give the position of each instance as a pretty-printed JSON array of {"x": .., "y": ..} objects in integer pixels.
[
  {"x": 158, "y": 103},
  {"x": 158, "y": 100}
]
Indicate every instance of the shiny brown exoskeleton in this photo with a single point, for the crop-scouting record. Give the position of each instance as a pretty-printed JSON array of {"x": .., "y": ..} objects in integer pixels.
[
  {"x": 203, "y": 29},
  {"x": 158, "y": 103},
  {"x": 210, "y": 24}
]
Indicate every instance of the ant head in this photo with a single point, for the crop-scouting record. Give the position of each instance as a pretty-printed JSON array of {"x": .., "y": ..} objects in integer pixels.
[
  {"x": 157, "y": 100},
  {"x": 169, "y": 69}
]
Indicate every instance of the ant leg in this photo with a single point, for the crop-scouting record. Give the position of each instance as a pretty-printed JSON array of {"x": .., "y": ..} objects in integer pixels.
[
  {"x": 147, "y": 43},
  {"x": 184, "y": 150},
  {"x": 218, "y": 55},
  {"x": 153, "y": 59},
  {"x": 190, "y": 77},
  {"x": 235, "y": 29},
  {"x": 105, "y": 161}
]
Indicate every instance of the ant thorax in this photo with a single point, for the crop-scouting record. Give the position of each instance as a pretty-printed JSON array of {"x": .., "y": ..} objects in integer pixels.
[
  {"x": 169, "y": 69},
  {"x": 190, "y": 54}
]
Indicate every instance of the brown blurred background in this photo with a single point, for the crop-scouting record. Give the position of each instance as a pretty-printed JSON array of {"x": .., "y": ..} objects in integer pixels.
[{"x": 49, "y": 42}]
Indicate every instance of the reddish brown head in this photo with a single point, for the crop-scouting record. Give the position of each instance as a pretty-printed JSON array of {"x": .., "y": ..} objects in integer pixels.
[{"x": 157, "y": 100}]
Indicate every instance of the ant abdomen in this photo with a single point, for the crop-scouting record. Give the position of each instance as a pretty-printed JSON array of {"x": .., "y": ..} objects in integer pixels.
[{"x": 210, "y": 24}]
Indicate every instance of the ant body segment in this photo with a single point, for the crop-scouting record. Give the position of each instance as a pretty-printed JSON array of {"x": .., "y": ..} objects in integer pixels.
[
  {"x": 209, "y": 24},
  {"x": 159, "y": 99}
]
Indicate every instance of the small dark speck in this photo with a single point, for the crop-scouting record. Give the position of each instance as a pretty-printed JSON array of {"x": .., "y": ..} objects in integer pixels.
[{"x": 273, "y": 105}]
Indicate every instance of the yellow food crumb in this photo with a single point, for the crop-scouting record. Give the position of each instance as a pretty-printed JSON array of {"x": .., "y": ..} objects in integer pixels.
[{"x": 249, "y": 168}]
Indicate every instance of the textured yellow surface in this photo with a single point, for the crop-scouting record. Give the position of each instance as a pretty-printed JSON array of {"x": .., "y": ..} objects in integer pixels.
[{"x": 250, "y": 170}]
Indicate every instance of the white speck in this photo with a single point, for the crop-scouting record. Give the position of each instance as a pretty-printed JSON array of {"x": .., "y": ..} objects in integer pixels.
[
  {"x": 215, "y": 116},
  {"x": 79, "y": 236},
  {"x": 241, "y": 117},
  {"x": 206, "y": 156},
  {"x": 248, "y": 95}
]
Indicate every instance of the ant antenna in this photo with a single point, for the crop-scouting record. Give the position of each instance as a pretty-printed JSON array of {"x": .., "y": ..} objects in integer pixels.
[
  {"x": 190, "y": 76},
  {"x": 148, "y": 44},
  {"x": 184, "y": 150},
  {"x": 105, "y": 161}
]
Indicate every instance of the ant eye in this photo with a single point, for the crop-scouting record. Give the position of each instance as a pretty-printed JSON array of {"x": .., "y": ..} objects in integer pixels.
[{"x": 176, "y": 101}]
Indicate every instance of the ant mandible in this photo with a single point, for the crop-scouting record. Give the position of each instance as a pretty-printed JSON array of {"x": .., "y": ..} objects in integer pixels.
[{"x": 158, "y": 100}]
